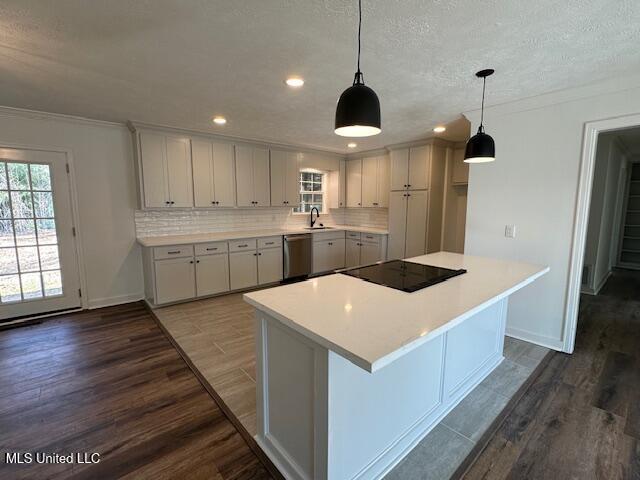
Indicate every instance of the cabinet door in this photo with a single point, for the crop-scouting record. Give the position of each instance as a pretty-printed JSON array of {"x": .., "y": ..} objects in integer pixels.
[
  {"x": 460, "y": 174},
  {"x": 261, "y": 188},
  {"x": 354, "y": 183},
  {"x": 212, "y": 274},
  {"x": 383, "y": 181},
  {"x": 243, "y": 269},
  {"x": 352, "y": 253},
  {"x": 397, "y": 224},
  {"x": 175, "y": 280},
  {"x": 399, "y": 169},
  {"x": 369, "y": 253},
  {"x": 244, "y": 175},
  {"x": 153, "y": 160},
  {"x": 369, "y": 181},
  {"x": 203, "y": 183},
  {"x": 417, "y": 208},
  {"x": 320, "y": 256},
  {"x": 342, "y": 184},
  {"x": 224, "y": 178},
  {"x": 269, "y": 265},
  {"x": 419, "y": 167},
  {"x": 336, "y": 254},
  {"x": 292, "y": 186},
  {"x": 179, "y": 172},
  {"x": 278, "y": 177}
]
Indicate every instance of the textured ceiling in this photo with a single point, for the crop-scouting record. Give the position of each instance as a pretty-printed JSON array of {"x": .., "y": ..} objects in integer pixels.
[{"x": 178, "y": 63}]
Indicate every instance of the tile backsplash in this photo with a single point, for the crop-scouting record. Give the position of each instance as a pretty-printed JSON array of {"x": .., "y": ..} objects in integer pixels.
[{"x": 174, "y": 222}]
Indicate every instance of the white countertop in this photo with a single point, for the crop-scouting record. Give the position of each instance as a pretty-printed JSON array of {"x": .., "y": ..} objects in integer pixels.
[
  {"x": 372, "y": 325},
  {"x": 165, "y": 240}
]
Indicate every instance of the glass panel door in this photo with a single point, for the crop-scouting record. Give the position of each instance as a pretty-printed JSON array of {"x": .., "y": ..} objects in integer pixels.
[{"x": 32, "y": 279}]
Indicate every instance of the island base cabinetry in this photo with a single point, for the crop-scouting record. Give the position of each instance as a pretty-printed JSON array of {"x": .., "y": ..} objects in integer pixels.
[{"x": 320, "y": 416}]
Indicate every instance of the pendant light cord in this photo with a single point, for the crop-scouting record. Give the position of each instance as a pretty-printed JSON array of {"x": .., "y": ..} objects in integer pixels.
[
  {"x": 359, "y": 78},
  {"x": 484, "y": 84}
]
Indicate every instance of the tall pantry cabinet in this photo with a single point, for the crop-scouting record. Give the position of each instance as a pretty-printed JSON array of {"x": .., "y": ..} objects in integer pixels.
[{"x": 415, "y": 202}]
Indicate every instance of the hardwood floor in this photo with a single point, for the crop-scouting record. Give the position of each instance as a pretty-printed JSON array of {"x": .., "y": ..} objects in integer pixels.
[
  {"x": 581, "y": 417},
  {"x": 108, "y": 381}
]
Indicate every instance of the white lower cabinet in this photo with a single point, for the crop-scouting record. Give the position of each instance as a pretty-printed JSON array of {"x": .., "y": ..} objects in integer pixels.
[
  {"x": 369, "y": 253},
  {"x": 269, "y": 265},
  {"x": 212, "y": 274},
  {"x": 243, "y": 269},
  {"x": 352, "y": 253},
  {"x": 174, "y": 280},
  {"x": 328, "y": 255}
]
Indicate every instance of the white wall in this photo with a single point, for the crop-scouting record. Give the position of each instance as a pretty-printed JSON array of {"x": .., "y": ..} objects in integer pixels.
[
  {"x": 606, "y": 196},
  {"x": 105, "y": 183},
  {"x": 533, "y": 184}
]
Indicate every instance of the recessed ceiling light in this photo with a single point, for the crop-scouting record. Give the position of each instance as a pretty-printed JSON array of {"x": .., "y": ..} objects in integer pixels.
[
  {"x": 439, "y": 129},
  {"x": 352, "y": 145},
  {"x": 295, "y": 82},
  {"x": 219, "y": 120}
]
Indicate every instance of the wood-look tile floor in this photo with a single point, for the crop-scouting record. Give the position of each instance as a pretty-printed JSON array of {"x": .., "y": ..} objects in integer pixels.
[
  {"x": 580, "y": 419},
  {"x": 218, "y": 336},
  {"x": 109, "y": 381}
]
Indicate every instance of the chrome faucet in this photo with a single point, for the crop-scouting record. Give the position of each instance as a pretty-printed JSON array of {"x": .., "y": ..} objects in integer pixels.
[{"x": 311, "y": 220}]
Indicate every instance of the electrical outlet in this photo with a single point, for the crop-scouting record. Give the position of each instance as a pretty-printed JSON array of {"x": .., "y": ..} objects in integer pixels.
[{"x": 510, "y": 231}]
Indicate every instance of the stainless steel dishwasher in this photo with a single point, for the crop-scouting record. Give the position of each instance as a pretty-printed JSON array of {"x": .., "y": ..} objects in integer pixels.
[{"x": 297, "y": 255}]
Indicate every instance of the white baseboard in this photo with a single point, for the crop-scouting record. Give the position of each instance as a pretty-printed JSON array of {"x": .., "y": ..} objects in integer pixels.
[
  {"x": 542, "y": 340},
  {"x": 602, "y": 282},
  {"x": 111, "y": 301}
]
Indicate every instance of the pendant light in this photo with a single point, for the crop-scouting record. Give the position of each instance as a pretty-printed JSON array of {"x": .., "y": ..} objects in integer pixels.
[
  {"x": 481, "y": 148},
  {"x": 358, "y": 110}
]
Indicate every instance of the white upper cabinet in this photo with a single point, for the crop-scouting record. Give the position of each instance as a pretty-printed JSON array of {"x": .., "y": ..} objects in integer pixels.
[
  {"x": 419, "y": 167},
  {"x": 375, "y": 181},
  {"x": 354, "y": 183},
  {"x": 399, "y": 169},
  {"x": 252, "y": 176},
  {"x": 285, "y": 186},
  {"x": 460, "y": 170},
  {"x": 410, "y": 168},
  {"x": 166, "y": 170},
  {"x": 213, "y": 174}
]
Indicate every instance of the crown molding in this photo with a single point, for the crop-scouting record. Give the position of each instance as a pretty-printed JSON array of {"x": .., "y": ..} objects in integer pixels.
[
  {"x": 135, "y": 126},
  {"x": 40, "y": 115}
]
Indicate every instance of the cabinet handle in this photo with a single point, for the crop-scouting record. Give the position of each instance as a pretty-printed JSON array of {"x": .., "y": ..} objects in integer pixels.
[
  {"x": 409, "y": 185},
  {"x": 167, "y": 202},
  {"x": 211, "y": 249},
  {"x": 259, "y": 253},
  {"x": 255, "y": 254},
  {"x": 243, "y": 246},
  {"x": 191, "y": 261},
  {"x": 268, "y": 243},
  {"x": 197, "y": 261},
  {"x": 172, "y": 202},
  {"x": 359, "y": 203},
  {"x": 173, "y": 252},
  {"x": 330, "y": 243},
  {"x": 405, "y": 186}
]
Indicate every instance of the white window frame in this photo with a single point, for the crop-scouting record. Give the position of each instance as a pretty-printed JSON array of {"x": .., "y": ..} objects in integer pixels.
[{"x": 322, "y": 192}]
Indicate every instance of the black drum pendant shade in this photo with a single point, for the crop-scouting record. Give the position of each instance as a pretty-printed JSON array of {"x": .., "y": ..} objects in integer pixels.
[
  {"x": 358, "y": 110},
  {"x": 481, "y": 148}
]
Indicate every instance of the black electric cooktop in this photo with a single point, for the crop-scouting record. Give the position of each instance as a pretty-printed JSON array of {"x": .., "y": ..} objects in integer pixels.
[{"x": 401, "y": 275}]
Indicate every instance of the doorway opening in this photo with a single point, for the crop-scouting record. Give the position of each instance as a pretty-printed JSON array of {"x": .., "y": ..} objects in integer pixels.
[{"x": 607, "y": 225}]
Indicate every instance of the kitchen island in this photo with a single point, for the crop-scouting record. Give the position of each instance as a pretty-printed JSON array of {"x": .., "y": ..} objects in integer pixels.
[{"x": 351, "y": 375}]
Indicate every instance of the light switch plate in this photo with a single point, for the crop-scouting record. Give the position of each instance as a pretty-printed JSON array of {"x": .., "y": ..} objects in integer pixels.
[{"x": 510, "y": 231}]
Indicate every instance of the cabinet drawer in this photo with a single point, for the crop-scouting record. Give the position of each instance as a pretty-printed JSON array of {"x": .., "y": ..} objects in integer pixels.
[
  {"x": 242, "y": 245},
  {"x": 331, "y": 235},
  {"x": 270, "y": 242},
  {"x": 353, "y": 235},
  {"x": 161, "y": 253},
  {"x": 211, "y": 248},
  {"x": 371, "y": 238}
]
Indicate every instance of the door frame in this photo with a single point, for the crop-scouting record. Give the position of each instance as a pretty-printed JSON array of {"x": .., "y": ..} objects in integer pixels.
[
  {"x": 73, "y": 194},
  {"x": 581, "y": 218}
]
